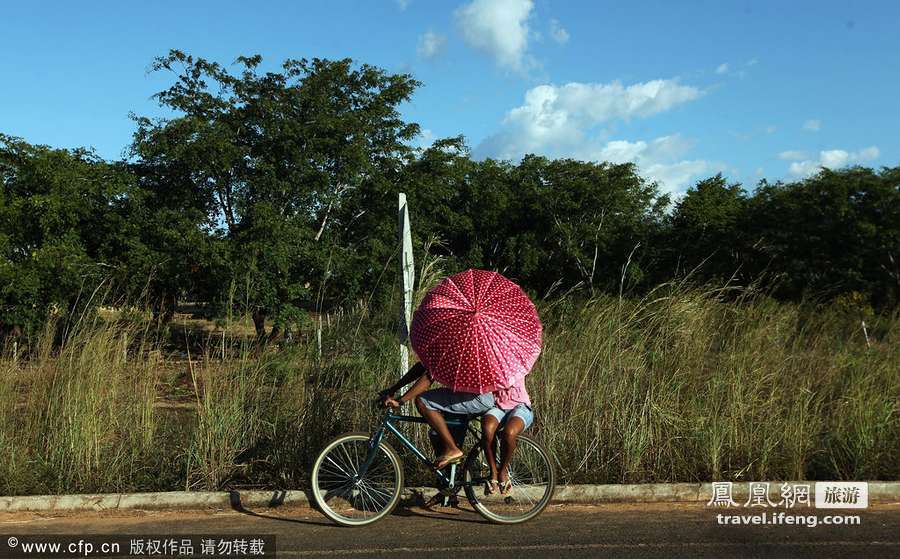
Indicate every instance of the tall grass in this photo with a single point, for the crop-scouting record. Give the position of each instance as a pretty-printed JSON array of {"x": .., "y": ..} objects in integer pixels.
[
  {"x": 79, "y": 414},
  {"x": 680, "y": 385},
  {"x": 684, "y": 386}
]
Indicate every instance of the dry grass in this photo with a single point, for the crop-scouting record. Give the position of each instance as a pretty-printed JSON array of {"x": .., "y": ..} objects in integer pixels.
[{"x": 680, "y": 385}]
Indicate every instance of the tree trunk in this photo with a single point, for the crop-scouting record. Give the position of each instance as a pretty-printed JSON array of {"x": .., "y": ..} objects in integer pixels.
[
  {"x": 259, "y": 322},
  {"x": 164, "y": 308},
  {"x": 324, "y": 221},
  {"x": 275, "y": 333}
]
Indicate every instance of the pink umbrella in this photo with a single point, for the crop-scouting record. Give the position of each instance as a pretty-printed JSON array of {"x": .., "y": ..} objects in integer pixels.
[{"x": 477, "y": 331}]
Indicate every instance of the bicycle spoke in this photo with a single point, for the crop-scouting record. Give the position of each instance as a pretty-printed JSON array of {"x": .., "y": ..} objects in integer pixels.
[
  {"x": 530, "y": 477},
  {"x": 338, "y": 466},
  {"x": 377, "y": 495},
  {"x": 353, "y": 465},
  {"x": 348, "y": 494},
  {"x": 363, "y": 494}
]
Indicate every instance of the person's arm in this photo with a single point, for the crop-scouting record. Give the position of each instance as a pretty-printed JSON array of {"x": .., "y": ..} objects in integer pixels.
[
  {"x": 420, "y": 386},
  {"x": 415, "y": 373}
]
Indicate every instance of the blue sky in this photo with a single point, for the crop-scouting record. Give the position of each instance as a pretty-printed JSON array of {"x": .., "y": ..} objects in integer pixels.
[{"x": 682, "y": 88}]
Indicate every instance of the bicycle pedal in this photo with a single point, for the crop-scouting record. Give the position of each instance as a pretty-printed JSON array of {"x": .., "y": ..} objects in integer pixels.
[
  {"x": 444, "y": 498},
  {"x": 450, "y": 501}
]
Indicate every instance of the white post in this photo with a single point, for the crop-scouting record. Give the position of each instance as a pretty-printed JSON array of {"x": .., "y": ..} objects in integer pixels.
[
  {"x": 319, "y": 339},
  {"x": 407, "y": 275}
]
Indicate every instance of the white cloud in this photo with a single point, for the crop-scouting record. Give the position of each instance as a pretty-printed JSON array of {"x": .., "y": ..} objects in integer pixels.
[
  {"x": 791, "y": 155},
  {"x": 425, "y": 138},
  {"x": 803, "y": 168},
  {"x": 676, "y": 178},
  {"x": 564, "y": 121},
  {"x": 559, "y": 34},
  {"x": 660, "y": 160},
  {"x": 499, "y": 27},
  {"x": 402, "y": 4},
  {"x": 813, "y": 125},
  {"x": 738, "y": 70},
  {"x": 832, "y": 159},
  {"x": 771, "y": 129},
  {"x": 869, "y": 153},
  {"x": 662, "y": 148},
  {"x": 431, "y": 44},
  {"x": 556, "y": 120}
]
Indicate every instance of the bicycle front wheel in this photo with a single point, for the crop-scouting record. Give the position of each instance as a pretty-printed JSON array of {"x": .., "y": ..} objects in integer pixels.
[
  {"x": 533, "y": 480},
  {"x": 349, "y": 493}
]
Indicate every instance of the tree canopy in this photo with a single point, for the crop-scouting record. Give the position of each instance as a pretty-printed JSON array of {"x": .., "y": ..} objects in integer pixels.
[{"x": 274, "y": 193}]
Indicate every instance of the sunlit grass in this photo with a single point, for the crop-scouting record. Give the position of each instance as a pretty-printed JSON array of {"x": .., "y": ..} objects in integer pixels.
[{"x": 680, "y": 385}]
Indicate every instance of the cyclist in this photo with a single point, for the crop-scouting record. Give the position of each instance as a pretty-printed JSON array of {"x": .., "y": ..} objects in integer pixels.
[
  {"x": 433, "y": 404},
  {"x": 512, "y": 411}
]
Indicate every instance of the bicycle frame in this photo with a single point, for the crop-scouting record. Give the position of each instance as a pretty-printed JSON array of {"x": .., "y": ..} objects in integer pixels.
[{"x": 387, "y": 425}]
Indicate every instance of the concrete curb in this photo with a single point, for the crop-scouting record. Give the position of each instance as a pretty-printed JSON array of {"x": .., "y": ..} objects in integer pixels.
[{"x": 879, "y": 491}]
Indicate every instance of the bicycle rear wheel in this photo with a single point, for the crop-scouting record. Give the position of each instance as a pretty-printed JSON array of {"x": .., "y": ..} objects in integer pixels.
[
  {"x": 349, "y": 497},
  {"x": 533, "y": 482}
]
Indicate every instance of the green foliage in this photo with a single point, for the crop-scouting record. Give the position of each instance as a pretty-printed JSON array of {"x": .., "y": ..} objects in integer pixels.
[
  {"x": 271, "y": 159},
  {"x": 61, "y": 229},
  {"x": 273, "y": 194},
  {"x": 837, "y": 232},
  {"x": 705, "y": 228},
  {"x": 540, "y": 221}
]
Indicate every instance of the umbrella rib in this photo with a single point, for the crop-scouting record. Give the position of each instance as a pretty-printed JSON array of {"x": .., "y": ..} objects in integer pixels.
[
  {"x": 486, "y": 290},
  {"x": 502, "y": 315},
  {"x": 473, "y": 296},
  {"x": 459, "y": 362},
  {"x": 476, "y": 361},
  {"x": 513, "y": 336},
  {"x": 500, "y": 291},
  {"x": 498, "y": 361},
  {"x": 437, "y": 319},
  {"x": 462, "y": 293},
  {"x": 447, "y": 301},
  {"x": 432, "y": 340},
  {"x": 465, "y": 300}
]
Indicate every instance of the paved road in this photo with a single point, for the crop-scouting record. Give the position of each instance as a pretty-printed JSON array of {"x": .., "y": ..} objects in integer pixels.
[{"x": 562, "y": 531}]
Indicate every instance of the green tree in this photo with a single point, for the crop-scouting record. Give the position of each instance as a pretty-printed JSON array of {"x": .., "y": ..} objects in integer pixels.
[
  {"x": 706, "y": 228},
  {"x": 62, "y": 229},
  {"x": 275, "y": 158},
  {"x": 835, "y": 232},
  {"x": 581, "y": 223}
]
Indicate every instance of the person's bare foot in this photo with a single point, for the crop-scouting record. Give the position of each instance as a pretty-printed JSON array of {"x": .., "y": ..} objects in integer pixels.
[{"x": 452, "y": 457}]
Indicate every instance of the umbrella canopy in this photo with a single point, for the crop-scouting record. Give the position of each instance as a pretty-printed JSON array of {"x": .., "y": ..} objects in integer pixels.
[{"x": 477, "y": 331}]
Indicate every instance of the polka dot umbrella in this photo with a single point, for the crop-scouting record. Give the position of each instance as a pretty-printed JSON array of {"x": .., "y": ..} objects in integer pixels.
[{"x": 476, "y": 331}]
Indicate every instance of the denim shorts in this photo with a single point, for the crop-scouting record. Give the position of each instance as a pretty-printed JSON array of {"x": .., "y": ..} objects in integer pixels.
[
  {"x": 521, "y": 411},
  {"x": 458, "y": 403}
]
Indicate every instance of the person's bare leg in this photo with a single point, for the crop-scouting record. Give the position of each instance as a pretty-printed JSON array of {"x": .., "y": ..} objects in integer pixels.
[
  {"x": 489, "y": 425},
  {"x": 508, "y": 442},
  {"x": 436, "y": 420}
]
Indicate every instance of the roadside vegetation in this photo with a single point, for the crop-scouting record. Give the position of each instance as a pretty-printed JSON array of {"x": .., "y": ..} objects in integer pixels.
[{"x": 680, "y": 385}]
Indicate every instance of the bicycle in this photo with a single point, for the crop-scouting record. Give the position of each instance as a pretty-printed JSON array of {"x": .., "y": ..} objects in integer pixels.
[{"x": 357, "y": 479}]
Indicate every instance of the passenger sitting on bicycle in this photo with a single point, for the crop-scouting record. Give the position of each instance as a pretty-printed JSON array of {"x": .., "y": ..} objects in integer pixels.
[
  {"x": 433, "y": 404},
  {"x": 512, "y": 411}
]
